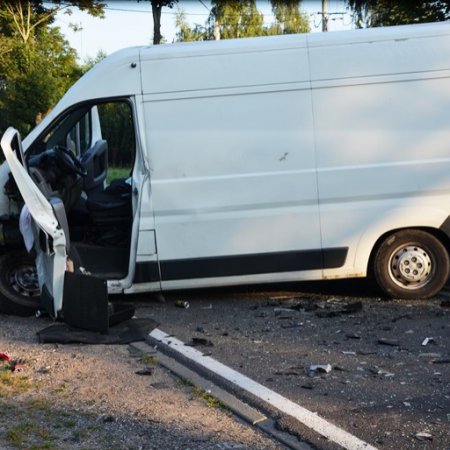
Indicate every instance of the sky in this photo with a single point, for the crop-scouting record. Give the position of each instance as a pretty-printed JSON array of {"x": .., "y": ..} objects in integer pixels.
[{"x": 130, "y": 23}]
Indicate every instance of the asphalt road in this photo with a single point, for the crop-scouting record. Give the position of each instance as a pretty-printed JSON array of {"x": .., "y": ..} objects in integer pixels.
[{"x": 385, "y": 386}]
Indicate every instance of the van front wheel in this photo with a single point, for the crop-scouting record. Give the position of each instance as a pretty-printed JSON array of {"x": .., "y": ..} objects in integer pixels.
[
  {"x": 411, "y": 264},
  {"x": 19, "y": 287}
]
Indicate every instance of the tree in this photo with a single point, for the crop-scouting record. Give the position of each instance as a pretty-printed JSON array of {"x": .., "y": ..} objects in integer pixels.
[
  {"x": 241, "y": 18},
  {"x": 37, "y": 65},
  {"x": 24, "y": 17},
  {"x": 186, "y": 33},
  {"x": 157, "y": 6},
  {"x": 289, "y": 18},
  {"x": 376, "y": 13},
  {"x": 237, "y": 18}
]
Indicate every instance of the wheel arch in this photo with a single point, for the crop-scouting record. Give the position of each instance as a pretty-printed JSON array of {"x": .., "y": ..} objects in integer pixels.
[{"x": 438, "y": 233}]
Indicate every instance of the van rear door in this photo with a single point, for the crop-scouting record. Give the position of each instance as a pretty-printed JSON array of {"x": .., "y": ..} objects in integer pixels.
[{"x": 49, "y": 236}]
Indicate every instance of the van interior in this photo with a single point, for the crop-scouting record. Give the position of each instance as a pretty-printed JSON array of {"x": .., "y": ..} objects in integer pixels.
[{"x": 86, "y": 160}]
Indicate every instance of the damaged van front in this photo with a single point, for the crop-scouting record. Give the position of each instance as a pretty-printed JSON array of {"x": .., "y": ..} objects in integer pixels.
[{"x": 60, "y": 178}]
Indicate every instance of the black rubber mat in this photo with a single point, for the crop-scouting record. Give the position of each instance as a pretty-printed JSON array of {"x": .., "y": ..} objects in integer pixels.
[{"x": 132, "y": 330}]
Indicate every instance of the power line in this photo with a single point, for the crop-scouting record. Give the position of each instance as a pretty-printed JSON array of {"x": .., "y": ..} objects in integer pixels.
[{"x": 203, "y": 3}]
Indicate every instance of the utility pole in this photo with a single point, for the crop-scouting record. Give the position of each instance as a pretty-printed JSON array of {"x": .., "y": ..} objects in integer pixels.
[{"x": 324, "y": 15}]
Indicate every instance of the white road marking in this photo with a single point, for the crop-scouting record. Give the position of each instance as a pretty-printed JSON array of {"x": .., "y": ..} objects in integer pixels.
[{"x": 303, "y": 415}]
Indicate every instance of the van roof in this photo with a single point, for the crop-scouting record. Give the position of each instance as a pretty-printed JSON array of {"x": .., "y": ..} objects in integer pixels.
[{"x": 118, "y": 75}]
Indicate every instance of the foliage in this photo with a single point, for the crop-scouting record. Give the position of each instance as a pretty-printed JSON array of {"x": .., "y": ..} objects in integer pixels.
[
  {"x": 90, "y": 62},
  {"x": 186, "y": 33},
  {"x": 37, "y": 65},
  {"x": 117, "y": 128},
  {"x": 377, "y": 13},
  {"x": 289, "y": 18},
  {"x": 237, "y": 18},
  {"x": 241, "y": 18}
]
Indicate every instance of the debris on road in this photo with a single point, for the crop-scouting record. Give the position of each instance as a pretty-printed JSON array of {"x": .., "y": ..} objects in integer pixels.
[
  {"x": 320, "y": 368},
  {"x": 13, "y": 365},
  {"x": 182, "y": 304},
  {"x": 424, "y": 436},
  {"x": 200, "y": 342},
  {"x": 348, "y": 308},
  {"x": 353, "y": 336},
  {"x": 389, "y": 342},
  {"x": 427, "y": 340},
  {"x": 145, "y": 371},
  {"x": 430, "y": 355},
  {"x": 4, "y": 356},
  {"x": 440, "y": 361}
]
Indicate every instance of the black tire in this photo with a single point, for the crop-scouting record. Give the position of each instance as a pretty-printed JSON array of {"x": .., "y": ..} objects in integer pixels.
[
  {"x": 19, "y": 289},
  {"x": 411, "y": 264}
]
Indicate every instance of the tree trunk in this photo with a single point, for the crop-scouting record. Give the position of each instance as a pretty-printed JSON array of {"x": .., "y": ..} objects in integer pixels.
[{"x": 156, "y": 10}]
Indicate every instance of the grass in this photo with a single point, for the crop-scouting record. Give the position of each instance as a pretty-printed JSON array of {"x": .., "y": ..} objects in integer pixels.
[
  {"x": 209, "y": 399},
  {"x": 19, "y": 435},
  {"x": 42, "y": 427},
  {"x": 148, "y": 359},
  {"x": 115, "y": 173},
  {"x": 13, "y": 384},
  {"x": 61, "y": 389}
]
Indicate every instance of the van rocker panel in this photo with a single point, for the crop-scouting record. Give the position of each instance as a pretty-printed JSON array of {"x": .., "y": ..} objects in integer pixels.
[{"x": 237, "y": 265}]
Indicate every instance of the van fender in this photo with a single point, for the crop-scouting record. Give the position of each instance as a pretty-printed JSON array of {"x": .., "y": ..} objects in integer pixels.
[{"x": 401, "y": 218}]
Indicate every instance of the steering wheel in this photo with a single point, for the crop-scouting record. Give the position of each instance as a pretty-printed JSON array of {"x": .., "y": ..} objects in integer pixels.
[{"x": 69, "y": 160}]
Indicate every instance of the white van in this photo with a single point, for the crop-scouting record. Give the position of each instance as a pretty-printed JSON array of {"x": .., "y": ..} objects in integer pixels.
[{"x": 271, "y": 159}]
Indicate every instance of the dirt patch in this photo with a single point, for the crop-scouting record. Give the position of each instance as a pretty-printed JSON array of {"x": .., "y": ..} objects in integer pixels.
[{"x": 84, "y": 396}]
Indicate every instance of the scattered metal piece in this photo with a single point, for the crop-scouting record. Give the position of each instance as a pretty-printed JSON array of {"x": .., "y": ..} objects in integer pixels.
[{"x": 182, "y": 304}]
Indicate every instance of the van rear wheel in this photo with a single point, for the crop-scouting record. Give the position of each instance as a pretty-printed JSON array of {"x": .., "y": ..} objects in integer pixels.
[
  {"x": 411, "y": 264},
  {"x": 19, "y": 287}
]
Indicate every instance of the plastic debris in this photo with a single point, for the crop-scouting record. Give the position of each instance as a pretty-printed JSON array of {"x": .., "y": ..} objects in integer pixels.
[
  {"x": 15, "y": 368},
  {"x": 320, "y": 368},
  {"x": 4, "y": 356},
  {"x": 427, "y": 340}
]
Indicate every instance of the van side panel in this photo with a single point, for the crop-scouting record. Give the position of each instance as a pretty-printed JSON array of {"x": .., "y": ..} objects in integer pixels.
[
  {"x": 233, "y": 170},
  {"x": 382, "y": 140}
]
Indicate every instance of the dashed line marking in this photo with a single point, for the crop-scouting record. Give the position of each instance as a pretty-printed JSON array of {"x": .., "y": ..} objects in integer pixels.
[{"x": 303, "y": 415}]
